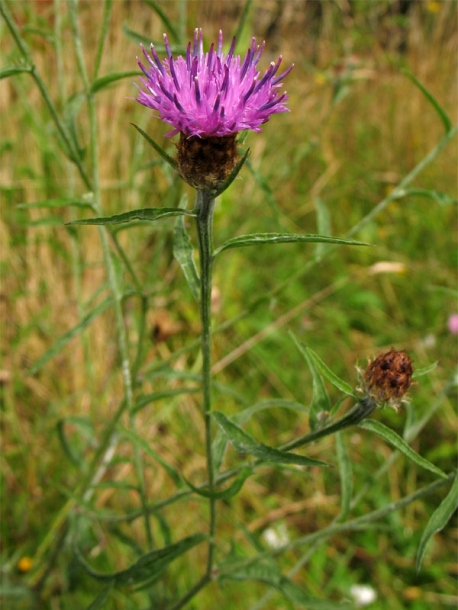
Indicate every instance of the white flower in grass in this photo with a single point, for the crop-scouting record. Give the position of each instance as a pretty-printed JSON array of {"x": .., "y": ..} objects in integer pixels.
[
  {"x": 363, "y": 595},
  {"x": 277, "y": 536}
]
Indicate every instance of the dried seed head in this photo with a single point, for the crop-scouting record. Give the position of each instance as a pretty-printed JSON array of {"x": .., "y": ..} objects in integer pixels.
[{"x": 388, "y": 377}]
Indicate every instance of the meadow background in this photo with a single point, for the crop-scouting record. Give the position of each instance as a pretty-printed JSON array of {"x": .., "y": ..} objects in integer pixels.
[{"x": 357, "y": 126}]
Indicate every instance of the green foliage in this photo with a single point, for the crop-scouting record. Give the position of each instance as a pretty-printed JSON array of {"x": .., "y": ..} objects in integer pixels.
[{"x": 109, "y": 460}]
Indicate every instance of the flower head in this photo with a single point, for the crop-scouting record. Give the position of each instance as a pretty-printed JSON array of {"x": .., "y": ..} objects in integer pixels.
[
  {"x": 211, "y": 94},
  {"x": 388, "y": 377}
]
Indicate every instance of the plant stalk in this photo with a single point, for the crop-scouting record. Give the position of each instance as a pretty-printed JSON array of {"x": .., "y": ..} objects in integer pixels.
[{"x": 204, "y": 208}]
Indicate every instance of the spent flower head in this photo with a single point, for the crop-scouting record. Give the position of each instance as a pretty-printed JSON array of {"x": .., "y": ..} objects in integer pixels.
[
  {"x": 387, "y": 378},
  {"x": 211, "y": 94}
]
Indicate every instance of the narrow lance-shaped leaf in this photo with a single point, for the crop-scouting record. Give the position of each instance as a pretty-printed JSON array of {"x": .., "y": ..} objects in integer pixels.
[
  {"x": 258, "y": 239},
  {"x": 224, "y": 494},
  {"x": 184, "y": 254},
  {"x": 429, "y": 96},
  {"x": 244, "y": 443},
  {"x": 345, "y": 474},
  {"x": 105, "y": 81},
  {"x": 320, "y": 399},
  {"x": 323, "y": 223},
  {"x": 221, "y": 439},
  {"x": 167, "y": 158},
  {"x": 398, "y": 443},
  {"x": 139, "y": 442},
  {"x": 62, "y": 341},
  {"x": 12, "y": 70},
  {"x": 424, "y": 371},
  {"x": 146, "y": 214},
  {"x": 439, "y": 519},
  {"x": 338, "y": 383},
  {"x": 101, "y": 598},
  {"x": 168, "y": 23},
  {"x": 84, "y": 427},
  {"x": 269, "y": 573},
  {"x": 61, "y": 202},
  {"x": 232, "y": 176},
  {"x": 148, "y": 565}
]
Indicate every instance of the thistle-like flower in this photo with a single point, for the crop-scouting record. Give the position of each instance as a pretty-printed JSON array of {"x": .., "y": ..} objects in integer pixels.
[
  {"x": 211, "y": 94},
  {"x": 208, "y": 98}
]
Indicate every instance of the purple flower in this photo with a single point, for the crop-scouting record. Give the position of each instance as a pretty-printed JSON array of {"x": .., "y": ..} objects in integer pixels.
[
  {"x": 452, "y": 323},
  {"x": 211, "y": 94}
]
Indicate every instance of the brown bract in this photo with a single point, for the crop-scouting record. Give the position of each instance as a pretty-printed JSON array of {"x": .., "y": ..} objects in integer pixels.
[
  {"x": 205, "y": 163},
  {"x": 388, "y": 377}
]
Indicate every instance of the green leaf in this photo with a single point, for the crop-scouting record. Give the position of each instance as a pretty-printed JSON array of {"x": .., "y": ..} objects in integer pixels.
[
  {"x": 229, "y": 492},
  {"x": 338, "y": 383},
  {"x": 148, "y": 565},
  {"x": 138, "y": 441},
  {"x": 105, "y": 81},
  {"x": 183, "y": 251},
  {"x": 258, "y": 239},
  {"x": 168, "y": 24},
  {"x": 84, "y": 425},
  {"x": 244, "y": 443},
  {"x": 398, "y": 443},
  {"x": 221, "y": 440},
  {"x": 429, "y": 96},
  {"x": 146, "y": 400},
  {"x": 268, "y": 572},
  {"x": 437, "y": 196},
  {"x": 101, "y": 598},
  {"x": 320, "y": 400},
  {"x": 167, "y": 158},
  {"x": 58, "y": 345},
  {"x": 323, "y": 225},
  {"x": 439, "y": 519},
  {"x": 146, "y": 40},
  {"x": 345, "y": 474},
  {"x": 12, "y": 70},
  {"x": 148, "y": 214},
  {"x": 424, "y": 371},
  {"x": 61, "y": 202},
  {"x": 265, "y": 188}
]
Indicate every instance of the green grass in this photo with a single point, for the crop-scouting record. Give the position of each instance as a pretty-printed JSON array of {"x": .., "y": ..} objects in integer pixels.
[{"x": 357, "y": 126}]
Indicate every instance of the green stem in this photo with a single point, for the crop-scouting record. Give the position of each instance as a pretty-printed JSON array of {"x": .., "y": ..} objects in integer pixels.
[
  {"x": 204, "y": 209},
  {"x": 69, "y": 144}
]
